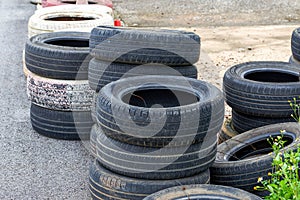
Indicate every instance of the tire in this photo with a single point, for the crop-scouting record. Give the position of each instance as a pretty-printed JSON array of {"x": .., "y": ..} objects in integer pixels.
[
  {"x": 262, "y": 88},
  {"x": 122, "y": 115},
  {"x": 93, "y": 140},
  {"x": 154, "y": 163},
  {"x": 93, "y": 107},
  {"x": 102, "y": 73},
  {"x": 238, "y": 165},
  {"x": 202, "y": 192},
  {"x": 61, "y": 125},
  {"x": 60, "y": 55},
  {"x": 59, "y": 94},
  {"x": 243, "y": 123},
  {"x": 169, "y": 47},
  {"x": 295, "y": 44},
  {"x": 227, "y": 131},
  {"x": 85, "y": 30},
  {"x": 68, "y": 16},
  {"x": 293, "y": 61},
  {"x": 48, "y": 3},
  {"x": 105, "y": 184}
]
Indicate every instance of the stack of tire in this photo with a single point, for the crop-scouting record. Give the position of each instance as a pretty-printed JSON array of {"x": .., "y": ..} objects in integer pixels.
[
  {"x": 259, "y": 93},
  {"x": 145, "y": 147},
  {"x": 57, "y": 84},
  {"x": 124, "y": 52},
  {"x": 152, "y": 131}
]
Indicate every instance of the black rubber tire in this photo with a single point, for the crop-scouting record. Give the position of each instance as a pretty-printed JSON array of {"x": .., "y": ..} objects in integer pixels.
[
  {"x": 237, "y": 163},
  {"x": 105, "y": 184},
  {"x": 196, "y": 192},
  {"x": 59, "y": 55},
  {"x": 93, "y": 140},
  {"x": 293, "y": 61},
  {"x": 102, "y": 73},
  {"x": 262, "y": 88},
  {"x": 174, "y": 125},
  {"x": 141, "y": 46},
  {"x": 242, "y": 123},
  {"x": 227, "y": 131},
  {"x": 145, "y": 163},
  {"x": 295, "y": 44},
  {"x": 93, "y": 107},
  {"x": 61, "y": 125}
]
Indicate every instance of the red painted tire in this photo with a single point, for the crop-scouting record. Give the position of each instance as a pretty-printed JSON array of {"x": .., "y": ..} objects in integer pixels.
[{"x": 48, "y": 3}]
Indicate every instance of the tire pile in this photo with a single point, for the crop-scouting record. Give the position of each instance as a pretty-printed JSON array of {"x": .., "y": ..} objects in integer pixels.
[
  {"x": 259, "y": 92},
  {"x": 107, "y": 66},
  {"x": 259, "y": 95},
  {"x": 151, "y": 124},
  {"x": 152, "y": 132},
  {"x": 57, "y": 84}
]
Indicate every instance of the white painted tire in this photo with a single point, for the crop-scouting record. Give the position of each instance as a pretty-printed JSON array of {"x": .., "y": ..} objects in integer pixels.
[
  {"x": 85, "y": 30},
  {"x": 39, "y": 22},
  {"x": 64, "y": 95},
  {"x": 96, "y": 9}
]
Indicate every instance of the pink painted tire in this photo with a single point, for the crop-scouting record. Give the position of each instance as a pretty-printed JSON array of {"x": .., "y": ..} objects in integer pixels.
[{"x": 48, "y": 3}]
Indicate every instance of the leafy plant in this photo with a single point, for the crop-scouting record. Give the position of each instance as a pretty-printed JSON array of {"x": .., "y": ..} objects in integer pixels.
[
  {"x": 296, "y": 110},
  {"x": 284, "y": 183}
]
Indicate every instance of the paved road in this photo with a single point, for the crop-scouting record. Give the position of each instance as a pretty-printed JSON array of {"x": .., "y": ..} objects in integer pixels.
[{"x": 31, "y": 166}]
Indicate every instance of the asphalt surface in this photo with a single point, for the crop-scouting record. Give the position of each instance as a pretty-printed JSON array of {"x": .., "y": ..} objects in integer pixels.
[{"x": 31, "y": 166}]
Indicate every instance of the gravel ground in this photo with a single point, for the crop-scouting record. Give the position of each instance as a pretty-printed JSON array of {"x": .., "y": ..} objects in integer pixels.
[
  {"x": 36, "y": 167},
  {"x": 191, "y": 13}
]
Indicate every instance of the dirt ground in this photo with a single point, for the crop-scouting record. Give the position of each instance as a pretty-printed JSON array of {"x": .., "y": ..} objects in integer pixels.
[{"x": 223, "y": 47}]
